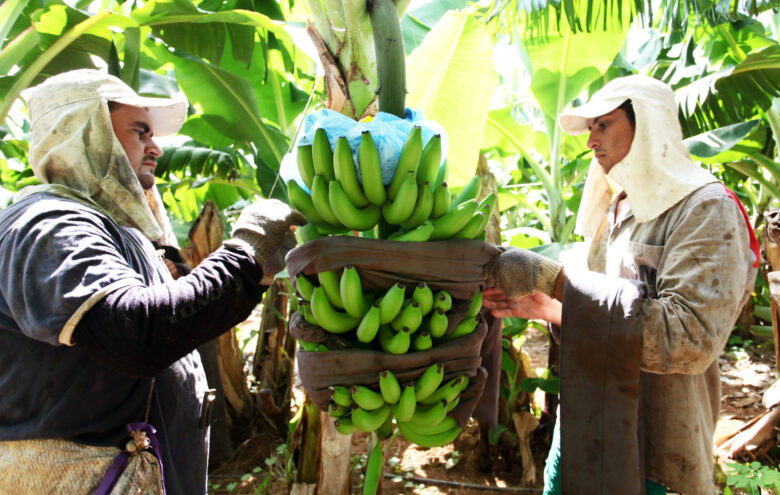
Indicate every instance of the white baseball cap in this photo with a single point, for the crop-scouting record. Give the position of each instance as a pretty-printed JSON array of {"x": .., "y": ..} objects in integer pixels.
[
  {"x": 575, "y": 121},
  {"x": 166, "y": 114}
]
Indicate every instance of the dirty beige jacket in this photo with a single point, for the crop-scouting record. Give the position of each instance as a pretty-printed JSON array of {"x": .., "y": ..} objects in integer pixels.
[{"x": 696, "y": 261}]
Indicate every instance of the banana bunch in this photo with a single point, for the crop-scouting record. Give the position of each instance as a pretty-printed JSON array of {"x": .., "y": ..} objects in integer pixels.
[
  {"x": 418, "y": 409},
  {"x": 399, "y": 319},
  {"x": 415, "y": 206}
]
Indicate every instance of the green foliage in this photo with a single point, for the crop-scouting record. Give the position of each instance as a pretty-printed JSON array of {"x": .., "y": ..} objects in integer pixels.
[{"x": 751, "y": 479}]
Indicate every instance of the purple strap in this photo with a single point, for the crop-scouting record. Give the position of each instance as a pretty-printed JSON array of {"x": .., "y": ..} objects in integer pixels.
[{"x": 117, "y": 467}]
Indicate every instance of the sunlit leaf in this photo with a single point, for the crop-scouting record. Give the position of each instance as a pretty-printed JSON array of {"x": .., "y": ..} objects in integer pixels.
[{"x": 445, "y": 83}]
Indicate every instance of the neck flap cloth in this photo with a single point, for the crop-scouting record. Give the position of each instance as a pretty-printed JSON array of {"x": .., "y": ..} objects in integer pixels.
[
  {"x": 75, "y": 153},
  {"x": 656, "y": 173}
]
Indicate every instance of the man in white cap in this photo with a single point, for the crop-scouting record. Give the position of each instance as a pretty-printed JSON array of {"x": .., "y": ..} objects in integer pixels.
[
  {"x": 671, "y": 260},
  {"x": 98, "y": 340}
]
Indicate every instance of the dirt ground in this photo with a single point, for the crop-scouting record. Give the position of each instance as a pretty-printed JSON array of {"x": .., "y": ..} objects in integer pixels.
[{"x": 454, "y": 469}]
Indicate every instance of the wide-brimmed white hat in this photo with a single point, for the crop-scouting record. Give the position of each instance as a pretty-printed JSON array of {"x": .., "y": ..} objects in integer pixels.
[
  {"x": 575, "y": 121},
  {"x": 166, "y": 114}
]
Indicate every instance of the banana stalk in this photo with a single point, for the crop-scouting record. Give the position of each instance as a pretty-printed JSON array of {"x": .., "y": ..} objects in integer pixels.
[{"x": 390, "y": 57}]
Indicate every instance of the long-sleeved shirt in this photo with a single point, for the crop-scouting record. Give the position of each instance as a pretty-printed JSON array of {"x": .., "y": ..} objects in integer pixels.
[{"x": 88, "y": 315}]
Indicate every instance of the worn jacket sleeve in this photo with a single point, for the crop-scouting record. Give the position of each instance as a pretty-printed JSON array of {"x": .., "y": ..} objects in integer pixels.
[
  {"x": 700, "y": 285},
  {"x": 139, "y": 330}
]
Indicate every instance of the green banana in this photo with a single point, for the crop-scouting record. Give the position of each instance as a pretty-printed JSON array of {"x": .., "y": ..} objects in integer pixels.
[
  {"x": 442, "y": 199},
  {"x": 304, "y": 308},
  {"x": 400, "y": 209},
  {"x": 437, "y": 323},
  {"x": 305, "y": 163},
  {"x": 455, "y": 219},
  {"x": 464, "y": 328},
  {"x": 429, "y": 415},
  {"x": 386, "y": 429},
  {"x": 374, "y": 468},
  {"x": 422, "y": 341},
  {"x": 329, "y": 280},
  {"x": 469, "y": 191},
  {"x": 337, "y": 411},
  {"x": 322, "y": 155},
  {"x": 429, "y": 381},
  {"x": 453, "y": 404},
  {"x": 344, "y": 168},
  {"x": 341, "y": 395},
  {"x": 430, "y": 161},
  {"x": 302, "y": 202},
  {"x": 345, "y": 426},
  {"x": 366, "y": 398},
  {"x": 424, "y": 439},
  {"x": 410, "y": 317},
  {"x": 369, "y": 421},
  {"x": 308, "y": 346},
  {"x": 369, "y": 325},
  {"x": 442, "y": 300},
  {"x": 474, "y": 226},
  {"x": 423, "y": 295},
  {"x": 321, "y": 201},
  {"x": 350, "y": 216},
  {"x": 351, "y": 292},
  {"x": 445, "y": 424},
  {"x": 408, "y": 161},
  {"x": 465, "y": 383},
  {"x": 308, "y": 232},
  {"x": 304, "y": 286},
  {"x": 391, "y": 303},
  {"x": 404, "y": 408},
  {"x": 422, "y": 208},
  {"x": 487, "y": 203},
  {"x": 371, "y": 170},
  {"x": 389, "y": 387},
  {"x": 393, "y": 342},
  {"x": 420, "y": 234},
  {"x": 448, "y": 391},
  {"x": 441, "y": 176},
  {"x": 328, "y": 317},
  {"x": 476, "y": 304},
  {"x": 481, "y": 236}
]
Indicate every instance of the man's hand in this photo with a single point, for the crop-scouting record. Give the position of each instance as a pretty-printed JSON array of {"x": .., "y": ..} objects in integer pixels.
[
  {"x": 535, "y": 307},
  {"x": 263, "y": 229},
  {"x": 519, "y": 272}
]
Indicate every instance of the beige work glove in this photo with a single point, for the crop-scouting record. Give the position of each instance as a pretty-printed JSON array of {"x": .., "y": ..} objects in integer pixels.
[
  {"x": 263, "y": 230},
  {"x": 519, "y": 272}
]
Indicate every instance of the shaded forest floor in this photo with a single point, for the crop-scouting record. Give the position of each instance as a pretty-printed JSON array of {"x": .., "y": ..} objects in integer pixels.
[{"x": 746, "y": 372}]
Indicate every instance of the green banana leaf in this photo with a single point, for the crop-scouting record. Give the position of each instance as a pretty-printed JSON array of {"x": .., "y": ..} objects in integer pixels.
[
  {"x": 711, "y": 144},
  {"x": 228, "y": 103},
  {"x": 450, "y": 77}
]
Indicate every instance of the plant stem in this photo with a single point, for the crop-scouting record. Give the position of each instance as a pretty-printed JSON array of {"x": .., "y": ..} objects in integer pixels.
[{"x": 390, "y": 56}]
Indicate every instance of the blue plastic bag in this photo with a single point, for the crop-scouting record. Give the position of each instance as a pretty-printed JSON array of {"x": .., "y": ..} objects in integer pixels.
[{"x": 389, "y": 133}]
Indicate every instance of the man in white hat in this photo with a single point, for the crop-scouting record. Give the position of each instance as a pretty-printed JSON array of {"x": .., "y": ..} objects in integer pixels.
[
  {"x": 671, "y": 260},
  {"x": 98, "y": 340}
]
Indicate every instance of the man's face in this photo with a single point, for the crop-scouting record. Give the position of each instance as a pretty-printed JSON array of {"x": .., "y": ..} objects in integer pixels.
[
  {"x": 133, "y": 128},
  {"x": 610, "y": 138}
]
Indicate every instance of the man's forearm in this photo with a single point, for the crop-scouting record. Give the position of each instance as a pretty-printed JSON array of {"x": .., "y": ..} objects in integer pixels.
[{"x": 140, "y": 330}]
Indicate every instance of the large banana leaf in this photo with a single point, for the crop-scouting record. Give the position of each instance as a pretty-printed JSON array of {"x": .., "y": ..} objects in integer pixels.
[
  {"x": 228, "y": 104},
  {"x": 450, "y": 78}
]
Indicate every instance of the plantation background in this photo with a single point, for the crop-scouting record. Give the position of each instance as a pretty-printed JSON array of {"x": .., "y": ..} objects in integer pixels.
[{"x": 494, "y": 74}]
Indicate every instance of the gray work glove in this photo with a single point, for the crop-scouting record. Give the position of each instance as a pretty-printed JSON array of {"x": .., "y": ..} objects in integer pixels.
[
  {"x": 263, "y": 230},
  {"x": 519, "y": 272}
]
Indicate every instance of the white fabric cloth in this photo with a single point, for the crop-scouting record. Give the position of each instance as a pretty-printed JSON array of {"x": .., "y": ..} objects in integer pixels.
[
  {"x": 656, "y": 173},
  {"x": 75, "y": 153}
]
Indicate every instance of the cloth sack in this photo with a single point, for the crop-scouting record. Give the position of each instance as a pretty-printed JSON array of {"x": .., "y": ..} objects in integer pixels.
[
  {"x": 454, "y": 266},
  {"x": 54, "y": 466}
]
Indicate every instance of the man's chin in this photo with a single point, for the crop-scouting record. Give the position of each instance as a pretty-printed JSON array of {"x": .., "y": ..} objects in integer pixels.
[{"x": 147, "y": 181}]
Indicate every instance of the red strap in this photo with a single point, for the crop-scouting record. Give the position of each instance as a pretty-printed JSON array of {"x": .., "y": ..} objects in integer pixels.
[{"x": 753, "y": 240}]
